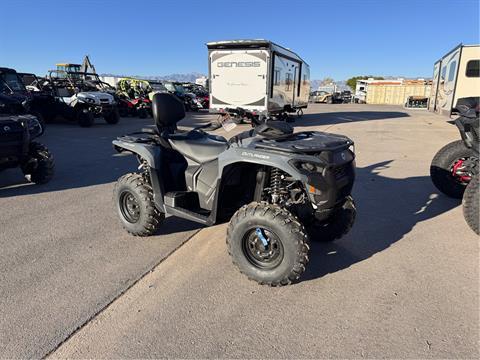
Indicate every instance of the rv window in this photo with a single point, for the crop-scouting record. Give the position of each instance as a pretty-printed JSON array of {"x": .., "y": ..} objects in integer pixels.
[
  {"x": 276, "y": 77},
  {"x": 304, "y": 80},
  {"x": 444, "y": 73},
  {"x": 452, "y": 71},
  {"x": 473, "y": 68},
  {"x": 288, "y": 81}
]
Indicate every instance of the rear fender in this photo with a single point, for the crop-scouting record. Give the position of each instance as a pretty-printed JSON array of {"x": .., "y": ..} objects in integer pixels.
[{"x": 151, "y": 153}]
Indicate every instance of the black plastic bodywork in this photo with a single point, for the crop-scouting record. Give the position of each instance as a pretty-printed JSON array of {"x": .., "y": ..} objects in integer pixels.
[
  {"x": 187, "y": 186},
  {"x": 16, "y": 133},
  {"x": 468, "y": 125},
  {"x": 32, "y": 102}
]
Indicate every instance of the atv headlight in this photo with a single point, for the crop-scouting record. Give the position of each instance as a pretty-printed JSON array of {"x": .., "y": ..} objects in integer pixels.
[
  {"x": 352, "y": 148},
  {"x": 89, "y": 100},
  {"x": 306, "y": 167}
]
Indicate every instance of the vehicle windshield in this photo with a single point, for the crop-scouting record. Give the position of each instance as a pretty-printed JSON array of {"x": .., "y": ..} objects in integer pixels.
[
  {"x": 13, "y": 81},
  {"x": 170, "y": 87},
  {"x": 158, "y": 87},
  {"x": 180, "y": 89},
  {"x": 3, "y": 87}
]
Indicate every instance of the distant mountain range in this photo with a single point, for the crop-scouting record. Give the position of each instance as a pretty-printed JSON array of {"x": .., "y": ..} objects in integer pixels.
[{"x": 189, "y": 77}]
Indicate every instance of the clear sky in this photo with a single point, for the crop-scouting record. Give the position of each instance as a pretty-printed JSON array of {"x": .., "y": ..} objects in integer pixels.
[{"x": 337, "y": 38}]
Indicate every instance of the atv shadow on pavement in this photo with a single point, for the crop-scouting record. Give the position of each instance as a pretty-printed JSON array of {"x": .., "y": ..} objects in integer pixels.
[
  {"x": 340, "y": 117},
  {"x": 387, "y": 209}
]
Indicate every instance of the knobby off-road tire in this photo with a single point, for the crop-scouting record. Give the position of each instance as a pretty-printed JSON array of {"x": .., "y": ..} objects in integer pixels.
[
  {"x": 470, "y": 204},
  {"x": 42, "y": 172},
  {"x": 113, "y": 117},
  {"x": 85, "y": 119},
  {"x": 337, "y": 226},
  {"x": 441, "y": 168},
  {"x": 133, "y": 198},
  {"x": 279, "y": 225}
]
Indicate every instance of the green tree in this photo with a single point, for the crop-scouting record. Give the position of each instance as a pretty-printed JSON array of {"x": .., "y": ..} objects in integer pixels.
[{"x": 352, "y": 82}]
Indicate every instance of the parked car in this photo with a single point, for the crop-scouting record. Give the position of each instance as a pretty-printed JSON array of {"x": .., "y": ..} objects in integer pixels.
[{"x": 321, "y": 97}]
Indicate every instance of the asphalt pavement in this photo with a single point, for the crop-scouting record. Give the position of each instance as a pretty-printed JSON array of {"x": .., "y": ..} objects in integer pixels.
[{"x": 403, "y": 283}]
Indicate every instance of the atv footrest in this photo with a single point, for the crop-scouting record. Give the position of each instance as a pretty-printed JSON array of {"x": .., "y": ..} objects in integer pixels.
[
  {"x": 187, "y": 214},
  {"x": 182, "y": 199},
  {"x": 185, "y": 204}
]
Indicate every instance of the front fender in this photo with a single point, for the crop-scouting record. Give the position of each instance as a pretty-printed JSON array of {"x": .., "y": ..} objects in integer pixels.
[
  {"x": 151, "y": 153},
  {"x": 244, "y": 155}
]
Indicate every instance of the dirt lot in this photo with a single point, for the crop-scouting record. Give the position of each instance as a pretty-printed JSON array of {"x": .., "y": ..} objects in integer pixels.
[{"x": 403, "y": 283}]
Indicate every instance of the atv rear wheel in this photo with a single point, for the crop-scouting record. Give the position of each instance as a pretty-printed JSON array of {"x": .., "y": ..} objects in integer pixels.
[
  {"x": 449, "y": 172},
  {"x": 133, "y": 198},
  {"x": 470, "y": 204},
  {"x": 85, "y": 118},
  {"x": 40, "y": 165},
  {"x": 267, "y": 244},
  {"x": 337, "y": 226},
  {"x": 112, "y": 117}
]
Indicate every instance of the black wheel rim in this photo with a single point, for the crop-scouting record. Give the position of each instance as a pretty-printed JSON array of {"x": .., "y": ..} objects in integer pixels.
[
  {"x": 129, "y": 207},
  {"x": 262, "y": 248}
]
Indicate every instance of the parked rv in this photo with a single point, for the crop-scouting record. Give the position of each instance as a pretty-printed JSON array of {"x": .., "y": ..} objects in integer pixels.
[
  {"x": 456, "y": 75},
  {"x": 257, "y": 75}
]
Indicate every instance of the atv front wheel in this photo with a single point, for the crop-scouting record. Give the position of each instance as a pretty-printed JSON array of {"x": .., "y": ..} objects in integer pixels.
[
  {"x": 112, "y": 117},
  {"x": 40, "y": 165},
  {"x": 267, "y": 244},
  {"x": 449, "y": 169},
  {"x": 85, "y": 118},
  {"x": 470, "y": 204},
  {"x": 133, "y": 198},
  {"x": 338, "y": 225}
]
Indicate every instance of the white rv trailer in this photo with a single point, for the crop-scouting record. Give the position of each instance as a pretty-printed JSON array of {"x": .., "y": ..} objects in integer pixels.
[
  {"x": 456, "y": 75},
  {"x": 257, "y": 75}
]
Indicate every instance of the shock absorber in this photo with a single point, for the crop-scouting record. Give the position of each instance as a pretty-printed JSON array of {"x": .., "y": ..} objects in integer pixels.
[{"x": 275, "y": 185}]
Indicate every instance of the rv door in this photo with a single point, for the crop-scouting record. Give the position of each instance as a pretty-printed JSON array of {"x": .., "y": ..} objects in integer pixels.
[
  {"x": 446, "y": 85},
  {"x": 432, "y": 104},
  {"x": 238, "y": 79}
]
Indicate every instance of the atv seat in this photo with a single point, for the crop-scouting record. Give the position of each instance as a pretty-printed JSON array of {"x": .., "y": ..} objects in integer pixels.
[
  {"x": 195, "y": 145},
  {"x": 198, "y": 146}
]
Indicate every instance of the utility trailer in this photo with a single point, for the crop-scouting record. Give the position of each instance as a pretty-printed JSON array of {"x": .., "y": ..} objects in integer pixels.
[
  {"x": 456, "y": 75},
  {"x": 258, "y": 76}
]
